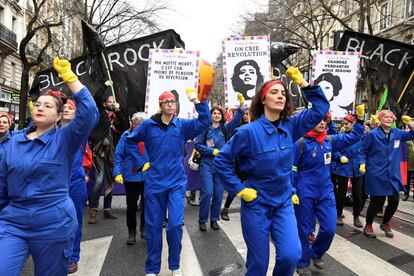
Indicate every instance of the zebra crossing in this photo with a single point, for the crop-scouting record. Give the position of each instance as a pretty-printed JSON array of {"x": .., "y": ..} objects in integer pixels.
[{"x": 223, "y": 252}]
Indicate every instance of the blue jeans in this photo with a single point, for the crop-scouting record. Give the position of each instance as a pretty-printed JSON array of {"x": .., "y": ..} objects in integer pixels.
[{"x": 96, "y": 192}]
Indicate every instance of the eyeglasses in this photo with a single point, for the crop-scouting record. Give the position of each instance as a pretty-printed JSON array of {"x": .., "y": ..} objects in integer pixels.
[
  {"x": 167, "y": 102},
  {"x": 45, "y": 105}
]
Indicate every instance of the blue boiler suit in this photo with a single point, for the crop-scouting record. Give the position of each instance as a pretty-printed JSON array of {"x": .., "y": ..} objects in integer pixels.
[
  {"x": 315, "y": 191},
  {"x": 166, "y": 181},
  {"x": 265, "y": 154},
  {"x": 40, "y": 218},
  {"x": 78, "y": 194},
  {"x": 211, "y": 186},
  {"x": 382, "y": 159}
]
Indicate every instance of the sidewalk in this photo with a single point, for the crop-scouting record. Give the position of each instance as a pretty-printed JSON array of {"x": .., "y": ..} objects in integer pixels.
[{"x": 406, "y": 210}]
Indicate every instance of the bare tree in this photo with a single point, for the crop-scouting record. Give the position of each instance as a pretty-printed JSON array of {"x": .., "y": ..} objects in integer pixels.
[
  {"x": 120, "y": 20},
  {"x": 39, "y": 23}
]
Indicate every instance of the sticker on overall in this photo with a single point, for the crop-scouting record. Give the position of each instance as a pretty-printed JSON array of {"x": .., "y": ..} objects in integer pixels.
[
  {"x": 396, "y": 144},
  {"x": 327, "y": 157}
]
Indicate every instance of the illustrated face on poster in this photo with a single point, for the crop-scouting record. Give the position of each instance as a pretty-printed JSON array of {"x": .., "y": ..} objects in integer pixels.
[
  {"x": 246, "y": 65},
  {"x": 336, "y": 74},
  {"x": 174, "y": 71}
]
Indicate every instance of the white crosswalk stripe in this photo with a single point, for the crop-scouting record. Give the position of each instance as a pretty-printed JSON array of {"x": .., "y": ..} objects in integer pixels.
[{"x": 92, "y": 257}]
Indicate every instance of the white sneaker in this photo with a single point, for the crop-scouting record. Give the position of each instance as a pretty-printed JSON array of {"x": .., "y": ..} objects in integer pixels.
[
  {"x": 151, "y": 274},
  {"x": 177, "y": 272}
]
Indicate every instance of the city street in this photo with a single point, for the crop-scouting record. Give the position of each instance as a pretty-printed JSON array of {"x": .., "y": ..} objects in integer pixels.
[{"x": 223, "y": 252}]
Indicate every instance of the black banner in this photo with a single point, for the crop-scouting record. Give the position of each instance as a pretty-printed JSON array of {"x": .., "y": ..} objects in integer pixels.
[
  {"x": 127, "y": 64},
  {"x": 386, "y": 63}
]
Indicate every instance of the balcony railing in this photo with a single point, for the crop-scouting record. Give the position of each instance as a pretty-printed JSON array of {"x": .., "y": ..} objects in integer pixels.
[
  {"x": 8, "y": 37},
  {"x": 34, "y": 50}
]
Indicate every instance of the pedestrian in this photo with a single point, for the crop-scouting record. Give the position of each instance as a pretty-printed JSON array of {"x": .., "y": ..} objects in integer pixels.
[
  {"x": 129, "y": 172},
  {"x": 112, "y": 123},
  {"x": 225, "y": 211},
  {"x": 264, "y": 150},
  {"x": 208, "y": 144},
  {"x": 380, "y": 160},
  {"x": 35, "y": 172},
  {"x": 5, "y": 132},
  {"x": 410, "y": 168},
  {"x": 313, "y": 156},
  {"x": 164, "y": 136},
  {"x": 77, "y": 187},
  {"x": 347, "y": 167}
]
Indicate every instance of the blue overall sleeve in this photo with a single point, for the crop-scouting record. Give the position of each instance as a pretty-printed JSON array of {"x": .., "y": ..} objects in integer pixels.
[
  {"x": 119, "y": 155},
  {"x": 200, "y": 145},
  {"x": 332, "y": 129},
  {"x": 344, "y": 140},
  {"x": 86, "y": 118},
  {"x": 194, "y": 127},
  {"x": 306, "y": 120},
  {"x": 405, "y": 135},
  {"x": 224, "y": 161},
  {"x": 296, "y": 160},
  {"x": 234, "y": 122},
  {"x": 4, "y": 198},
  {"x": 365, "y": 148}
]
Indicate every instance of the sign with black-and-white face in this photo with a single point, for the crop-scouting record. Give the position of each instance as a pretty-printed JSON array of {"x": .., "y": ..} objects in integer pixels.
[
  {"x": 336, "y": 73},
  {"x": 172, "y": 70},
  {"x": 246, "y": 66}
]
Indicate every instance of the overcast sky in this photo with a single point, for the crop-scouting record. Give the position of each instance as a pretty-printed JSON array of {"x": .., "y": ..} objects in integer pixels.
[{"x": 202, "y": 24}]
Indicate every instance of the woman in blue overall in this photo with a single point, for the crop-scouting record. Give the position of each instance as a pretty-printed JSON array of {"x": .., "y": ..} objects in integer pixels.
[
  {"x": 5, "y": 133},
  {"x": 347, "y": 166},
  {"x": 128, "y": 171},
  {"x": 35, "y": 174},
  {"x": 313, "y": 156},
  {"x": 209, "y": 144},
  {"x": 164, "y": 136},
  {"x": 77, "y": 187},
  {"x": 380, "y": 160},
  {"x": 264, "y": 151}
]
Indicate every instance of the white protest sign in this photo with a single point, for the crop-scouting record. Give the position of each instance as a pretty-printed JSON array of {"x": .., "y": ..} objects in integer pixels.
[
  {"x": 336, "y": 73},
  {"x": 246, "y": 66},
  {"x": 172, "y": 70}
]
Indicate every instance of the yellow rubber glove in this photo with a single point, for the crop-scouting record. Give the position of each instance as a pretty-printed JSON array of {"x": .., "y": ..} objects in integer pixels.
[
  {"x": 248, "y": 194},
  {"x": 375, "y": 119},
  {"x": 191, "y": 94},
  {"x": 360, "y": 111},
  {"x": 294, "y": 74},
  {"x": 62, "y": 66},
  {"x": 30, "y": 106},
  {"x": 295, "y": 199},
  {"x": 146, "y": 167},
  {"x": 119, "y": 179},
  {"x": 215, "y": 152},
  {"x": 240, "y": 98},
  {"x": 362, "y": 168},
  {"x": 406, "y": 119},
  {"x": 344, "y": 159}
]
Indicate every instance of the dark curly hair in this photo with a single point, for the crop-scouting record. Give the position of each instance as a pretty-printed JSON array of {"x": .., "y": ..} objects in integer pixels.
[
  {"x": 222, "y": 111},
  {"x": 257, "y": 107}
]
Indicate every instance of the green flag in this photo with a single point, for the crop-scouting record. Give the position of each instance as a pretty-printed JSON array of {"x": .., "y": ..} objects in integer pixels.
[{"x": 383, "y": 100}]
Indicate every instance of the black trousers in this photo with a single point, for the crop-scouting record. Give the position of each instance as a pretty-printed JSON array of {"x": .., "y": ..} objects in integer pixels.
[
  {"x": 228, "y": 202},
  {"x": 376, "y": 202},
  {"x": 134, "y": 190},
  {"x": 410, "y": 174},
  {"x": 356, "y": 194}
]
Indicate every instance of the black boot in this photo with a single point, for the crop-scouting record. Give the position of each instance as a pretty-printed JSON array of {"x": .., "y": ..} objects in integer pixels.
[
  {"x": 131, "y": 238},
  {"x": 142, "y": 235},
  {"x": 225, "y": 214}
]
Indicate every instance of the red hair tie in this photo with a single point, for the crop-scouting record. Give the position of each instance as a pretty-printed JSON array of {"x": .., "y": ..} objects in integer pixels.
[
  {"x": 267, "y": 87},
  {"x": 71, "y": 103},
  {"x": 55, "y": 94},
  {"x": 8, "y": 117}
]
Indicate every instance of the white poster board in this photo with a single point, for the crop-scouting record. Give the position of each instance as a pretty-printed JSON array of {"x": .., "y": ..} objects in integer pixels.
[
  {"x": 246, "y": 66},
  {"x": 172, "y": 70},
  {"x": 336, "y": 73}
]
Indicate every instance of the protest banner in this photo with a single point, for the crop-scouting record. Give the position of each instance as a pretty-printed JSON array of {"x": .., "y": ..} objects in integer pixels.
[
  {"x": 127, "y": 62},
  {"x": 336, "y": 73},
  {"x": 175, "y": 71},
  {"x": 388, "y": 66},
  {"x": 246, "y": 66}
]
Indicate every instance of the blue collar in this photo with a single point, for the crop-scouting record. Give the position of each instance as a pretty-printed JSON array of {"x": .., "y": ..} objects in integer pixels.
[
  {"x": 270, "y": 128},
  {"x": 44, "y": 138}
]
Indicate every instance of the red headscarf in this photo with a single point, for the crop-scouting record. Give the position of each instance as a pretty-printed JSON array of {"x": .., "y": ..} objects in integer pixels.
[
  {"x": 71, "y": 103},
  {"x": 267, "y": 87},
  {"x": 8, "y": 117}
]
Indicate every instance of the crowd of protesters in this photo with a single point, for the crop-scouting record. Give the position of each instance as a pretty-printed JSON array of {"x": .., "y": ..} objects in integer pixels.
[{"x": 290, "y": 169}]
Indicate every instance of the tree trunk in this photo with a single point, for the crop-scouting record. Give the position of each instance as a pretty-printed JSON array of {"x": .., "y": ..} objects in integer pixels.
[{"x": 23, "y": 95}]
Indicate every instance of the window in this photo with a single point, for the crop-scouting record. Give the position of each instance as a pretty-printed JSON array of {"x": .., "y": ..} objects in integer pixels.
[
  {"x": 1, "y": 15},
  {"x": 410, "y": 8},
  {"x": 385, "y": 16},
  {"x": 13, "y": 72},
  {"x": 14, "y": 24}
]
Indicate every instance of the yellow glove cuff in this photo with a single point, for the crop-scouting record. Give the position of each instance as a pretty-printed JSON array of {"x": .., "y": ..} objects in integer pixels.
[
  {"x": 215, "y": 152},
  {"x": 191, "y": 94},
  {"x": 146, "y": 167},
  {"x": 295, "y": 199},
  {"x": 406, "y": 119},
  {"x": 240, "y": 98},
  {"x": 119, "y": 179}
]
